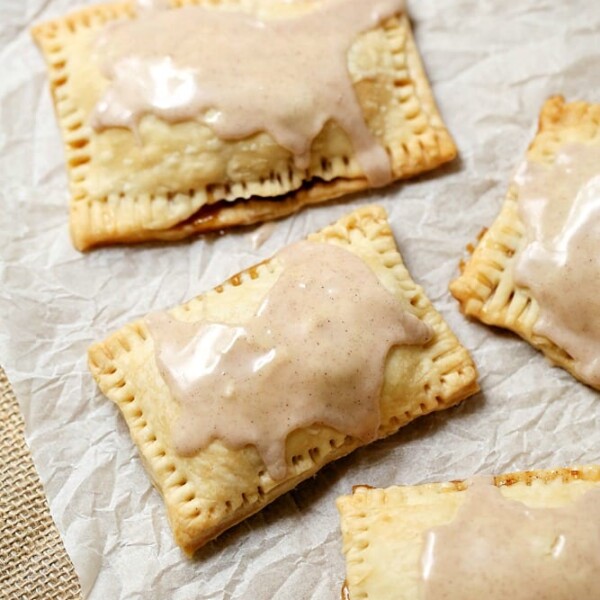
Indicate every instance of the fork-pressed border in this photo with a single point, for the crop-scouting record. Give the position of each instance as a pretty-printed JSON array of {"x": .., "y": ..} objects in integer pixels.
[
  {"x": 486, "y": 288},
  {"x": 451, "y": 377},
  {"x": 122, "y": 218},
  {"x": 356, "y": 511}
]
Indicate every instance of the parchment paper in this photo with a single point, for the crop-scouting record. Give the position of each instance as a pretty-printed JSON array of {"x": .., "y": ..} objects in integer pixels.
[{"x": 492, "y": 64}]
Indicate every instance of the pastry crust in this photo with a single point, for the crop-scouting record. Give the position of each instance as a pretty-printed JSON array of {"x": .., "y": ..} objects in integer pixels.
[
  {"x": 218, "y": 487},
  {"x": 183, "y": 179},
  {"x": 486, "y": 288},
  {"x": 383, "y": 528}
]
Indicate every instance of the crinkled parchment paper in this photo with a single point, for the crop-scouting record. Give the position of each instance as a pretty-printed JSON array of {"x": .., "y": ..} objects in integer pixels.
[{"x": 492, "y": 64}]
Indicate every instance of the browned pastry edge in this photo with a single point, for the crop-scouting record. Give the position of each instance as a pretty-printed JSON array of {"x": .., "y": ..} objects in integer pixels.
[{"x": 485, "y": 287}]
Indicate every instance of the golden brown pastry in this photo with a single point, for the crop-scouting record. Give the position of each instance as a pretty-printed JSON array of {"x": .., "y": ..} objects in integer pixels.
[
  {"x": 471, "y": 540},
  {"x": 155, "y": 173},
  {"x": 534, "y": 270},
  {"x": 209, "y": 488}
]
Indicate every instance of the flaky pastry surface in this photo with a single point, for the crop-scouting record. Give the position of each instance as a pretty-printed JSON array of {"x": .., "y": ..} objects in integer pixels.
[
  {"x": 486, "y": 287},
  {"x": 383, "y": 529},
  {"x": 218, "y": 487},
  {"x": 182, "y": 179}
]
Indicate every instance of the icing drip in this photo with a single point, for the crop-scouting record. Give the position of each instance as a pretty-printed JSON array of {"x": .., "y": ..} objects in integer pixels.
[
  {"x": 313, "y": 353},
  {"x": 559, "y": 205},
  {"x": 241, "y": 74},
  {"x": 497, "y": 548}
]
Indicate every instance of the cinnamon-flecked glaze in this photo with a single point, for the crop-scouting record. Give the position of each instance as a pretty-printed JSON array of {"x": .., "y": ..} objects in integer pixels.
[
  {"x": 242, "y": 74},
  {"x": 559, "y": 204},
  {"x": 498, "y": 548},
  {"x": 313, "y": 353}
]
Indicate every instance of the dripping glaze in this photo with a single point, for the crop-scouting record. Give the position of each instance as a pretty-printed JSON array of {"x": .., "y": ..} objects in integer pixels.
[
  {"x": 313, "y": 353},
  {"x": 241, "y": 74},
  {"x": 559, "y": 205},
  {"x": 498, "y": 548}
]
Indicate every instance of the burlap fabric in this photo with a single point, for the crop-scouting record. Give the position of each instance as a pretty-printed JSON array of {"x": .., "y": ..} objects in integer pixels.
[{"x": 33, "y": 561}]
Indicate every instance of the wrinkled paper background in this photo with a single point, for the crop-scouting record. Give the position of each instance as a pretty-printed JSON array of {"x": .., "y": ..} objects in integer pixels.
[{"x": 492, "y": 64}]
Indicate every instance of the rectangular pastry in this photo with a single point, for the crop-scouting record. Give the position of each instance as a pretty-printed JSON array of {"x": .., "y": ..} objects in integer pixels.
[
  {"x": 242, "y": 393},
  {"x": 533, "y": 534},
  {"x": 184, "y": 120},
  {"x": 535, "y": 271}
]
